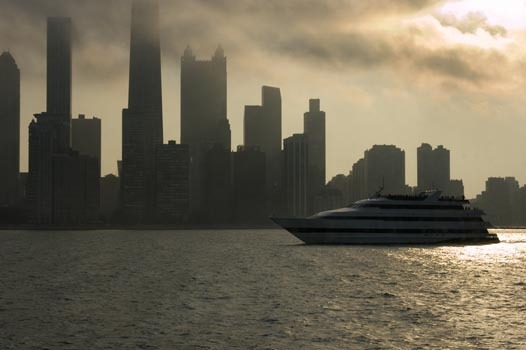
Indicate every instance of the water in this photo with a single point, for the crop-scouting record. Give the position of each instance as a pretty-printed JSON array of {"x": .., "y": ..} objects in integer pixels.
[{"x": 256, "y": 290}]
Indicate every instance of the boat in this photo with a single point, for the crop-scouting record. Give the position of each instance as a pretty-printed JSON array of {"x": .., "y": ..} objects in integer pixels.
[{"x": 425, "y": 218}]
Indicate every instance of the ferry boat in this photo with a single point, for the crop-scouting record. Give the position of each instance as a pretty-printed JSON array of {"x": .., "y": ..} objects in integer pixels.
[{"x": 426, "y": 218}]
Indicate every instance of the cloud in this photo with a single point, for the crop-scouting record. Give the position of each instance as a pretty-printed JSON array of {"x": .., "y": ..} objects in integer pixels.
[
  {"x": 452, "y": 63},
  {"x": 336, "y": 34},
  {"x": 470, "y": 23}
]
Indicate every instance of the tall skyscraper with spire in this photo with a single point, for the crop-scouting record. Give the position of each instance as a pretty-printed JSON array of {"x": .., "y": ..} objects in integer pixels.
[
  {"x": 142, "y": 121},
  {"x": 9, "y": 129}
]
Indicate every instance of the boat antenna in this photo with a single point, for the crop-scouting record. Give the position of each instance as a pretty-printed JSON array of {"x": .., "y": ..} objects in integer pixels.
[{"x": 381, "y": 188}]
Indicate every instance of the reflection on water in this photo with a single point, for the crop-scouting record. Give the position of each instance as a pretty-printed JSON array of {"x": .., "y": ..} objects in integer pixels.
[
  {"x": 511, "y": 249},
  {"x": 256, "y": 289}
]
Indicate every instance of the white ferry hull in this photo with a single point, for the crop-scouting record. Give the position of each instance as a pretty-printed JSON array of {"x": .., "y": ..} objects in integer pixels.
[{"x": 307, "y": 231}]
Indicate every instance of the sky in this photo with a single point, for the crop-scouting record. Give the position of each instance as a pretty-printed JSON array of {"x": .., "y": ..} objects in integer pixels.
[{"x": 397, "y": 72}]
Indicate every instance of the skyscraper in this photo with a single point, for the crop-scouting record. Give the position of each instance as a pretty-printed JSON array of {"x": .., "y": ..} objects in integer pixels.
[
  {"x": 63, "y": 186},
  {"x": 217, "y": 185},
  {"x": 59, "y": 72},
  {"x": 433, "y": 168},
  {"x": 254, "y": 132},
  {"x": 173, "y": 183},
  {"x": 385, "y": 169},
  {"x": 295, "y": 175},
  {"x": 75, "y": 189},
  {"x": 314, "y": 128},
  {"x": 86, "y": 136},
  {"x": 262, "y": 128},
  {"x": 249, "y": 177},
  {"x": 498, "y": 200},
  {"x": 109, "y": 196},
  {"x": 271, "y": 103},
  {"x": 358, "y": 182},
  {"x": 145, "y": 88},
  {"x": 204, "y": 122},
  {"x": 203, "y": 100},
  {"x": 9, "y": 129},
  {"x": 42, "y": 145},
  {"x": 50, "y": 133},
  {"x": 142, "y": 129}
]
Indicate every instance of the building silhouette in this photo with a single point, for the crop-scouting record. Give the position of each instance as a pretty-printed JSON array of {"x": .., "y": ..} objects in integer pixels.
[
  {"x": 271, "y": 103},
  {"x": 49, "y": 132},
  {"x": 249, "y": 185},
  {"x": 433, "y": 168},
  {"x": 109, "y": 196},
  {"x": 385, "y": 169},
  {"x": 142, "y": 129},
  {"x": 314, "y": 129},
  {"x": 262, "y": 129},
  {"x": 59, "y": 69},
  {"x": 253, "y": 126},
  {"x": 204, "y": 122},
  {"x": 499, "y": 200},
  {"x": 42, "y": 145},
  {"x": 295, "y": 175},
  {"x": 86, "y": 137},
  {"x": 62, "y": 186},
  {"x": 455, "y": 188},
  {"x": 217, "y": 185},
  {"x": 9, "y": 129},
  {"x": 342, "y": 183},
  {"x": 204, "y": 100},
  {"x": 75, "y": 189},
  {"x": 172, "y": 183},
  {"x": 358, "y": 182}
]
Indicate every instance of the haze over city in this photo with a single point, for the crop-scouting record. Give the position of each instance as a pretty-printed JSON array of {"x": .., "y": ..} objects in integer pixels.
[
  {"x": 442, "y": 72},
  {"x": 267, "y": 174}
]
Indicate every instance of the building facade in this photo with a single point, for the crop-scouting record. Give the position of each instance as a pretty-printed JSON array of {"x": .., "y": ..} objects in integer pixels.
[
  {"x": 385, "y": 170},
  {"x": 249, "y": 185},
  {"x": 142, "y": 124},
  {"x": 9, "y": 130},
  {"x": 314, "y": 129},
  {"x": 59, "y": 71},
  {"x": 62, "y": 185},
  {"x": 433, "y": 166},
  {"x": 204, "y": 122},
  {"x": 86, "y": 136},
  {"x": 295, "y": 175},
  {"x": 172, "y": 183}
]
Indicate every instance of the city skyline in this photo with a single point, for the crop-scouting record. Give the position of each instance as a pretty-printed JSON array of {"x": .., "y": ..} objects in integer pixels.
[{"x": 452, "y": 107}]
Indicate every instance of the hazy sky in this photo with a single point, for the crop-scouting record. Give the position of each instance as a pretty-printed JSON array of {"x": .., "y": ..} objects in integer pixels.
[{"x": 387, "y": 71}]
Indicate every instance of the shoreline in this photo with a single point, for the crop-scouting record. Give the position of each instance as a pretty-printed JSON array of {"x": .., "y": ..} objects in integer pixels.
[
  {"x": 187, "y": 227},
  {"x": 167, "y": 227}
]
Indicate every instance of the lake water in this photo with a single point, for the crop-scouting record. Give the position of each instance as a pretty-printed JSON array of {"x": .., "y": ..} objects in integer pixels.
[{"x": 258, "y": 289}]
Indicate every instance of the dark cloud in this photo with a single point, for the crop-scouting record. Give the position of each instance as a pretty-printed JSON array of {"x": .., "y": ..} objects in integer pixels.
[
  {"x": 470, "y": 23},
  {"x": 309, "y": 31},
  {"x": 365, "y": 50},
  {"x": 451, "y": 63}
]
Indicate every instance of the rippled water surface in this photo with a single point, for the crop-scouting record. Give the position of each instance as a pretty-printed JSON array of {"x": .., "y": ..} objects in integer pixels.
[{"x": 256, "y": 290}]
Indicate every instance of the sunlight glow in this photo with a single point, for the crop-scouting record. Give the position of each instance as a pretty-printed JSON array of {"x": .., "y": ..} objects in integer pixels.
[{"x": 509, "y": 250}]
